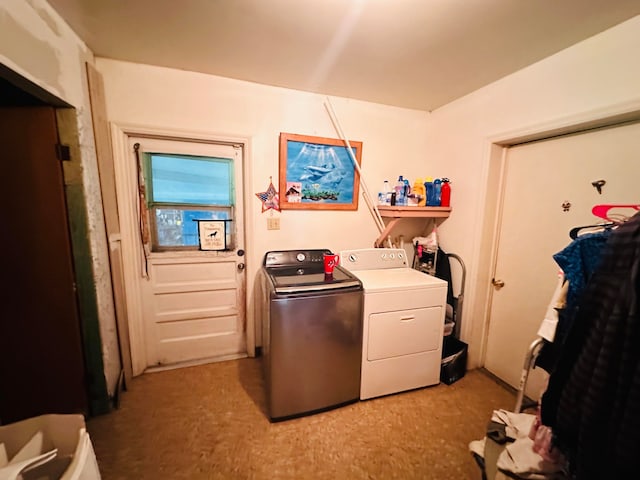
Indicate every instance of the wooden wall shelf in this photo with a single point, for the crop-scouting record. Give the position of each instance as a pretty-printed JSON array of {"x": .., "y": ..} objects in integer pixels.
[
  {"x": 397, "y": 213},
  {"x": 414, "y": 212}
]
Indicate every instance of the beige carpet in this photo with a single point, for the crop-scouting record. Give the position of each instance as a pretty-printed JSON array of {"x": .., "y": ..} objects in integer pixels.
[{"x": 209, "y": 422}]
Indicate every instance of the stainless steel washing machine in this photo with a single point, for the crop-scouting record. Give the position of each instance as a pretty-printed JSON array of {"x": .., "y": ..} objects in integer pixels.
[{"x": 312, "y": 333}]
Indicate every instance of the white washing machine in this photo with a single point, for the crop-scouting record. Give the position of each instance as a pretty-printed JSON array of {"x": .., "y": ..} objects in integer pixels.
[{"x": 404, "y": 312}]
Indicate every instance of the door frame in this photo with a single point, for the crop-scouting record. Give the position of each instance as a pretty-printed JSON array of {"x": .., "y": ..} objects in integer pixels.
[
  {"x": 133, "y": 255},
  {"x": 496, "y": 148},
  {"x": 26, "y": 95}
]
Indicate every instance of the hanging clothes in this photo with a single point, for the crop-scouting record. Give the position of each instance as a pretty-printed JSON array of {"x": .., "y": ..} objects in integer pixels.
[
  {"x": 578, "y": 261},
  {"x": 592, "y": 401},
  {"x": 549, "y": 325}
]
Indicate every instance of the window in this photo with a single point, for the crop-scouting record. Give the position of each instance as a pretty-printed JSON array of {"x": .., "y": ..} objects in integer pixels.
[{"x": 181, "y": 189}]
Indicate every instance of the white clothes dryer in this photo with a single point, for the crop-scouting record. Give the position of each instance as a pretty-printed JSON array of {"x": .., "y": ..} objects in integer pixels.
[{"x": 404, "y": 312}]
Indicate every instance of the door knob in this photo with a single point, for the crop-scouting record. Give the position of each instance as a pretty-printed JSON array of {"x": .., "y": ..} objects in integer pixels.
[
  {"x": 497, "y": 283},
  {"x": 241, "y": 266}
]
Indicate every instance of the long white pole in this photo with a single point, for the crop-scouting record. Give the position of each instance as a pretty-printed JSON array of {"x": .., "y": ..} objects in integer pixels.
[{"x": 372, "y": 205}]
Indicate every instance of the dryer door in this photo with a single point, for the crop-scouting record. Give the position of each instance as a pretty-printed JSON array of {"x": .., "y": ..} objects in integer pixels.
[{"x": 404, "y": 332}]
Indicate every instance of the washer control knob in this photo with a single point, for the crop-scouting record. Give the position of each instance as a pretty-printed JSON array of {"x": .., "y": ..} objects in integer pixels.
[
  {"x": 300, "y": 257},
  {"x": 352, "y": 258}
]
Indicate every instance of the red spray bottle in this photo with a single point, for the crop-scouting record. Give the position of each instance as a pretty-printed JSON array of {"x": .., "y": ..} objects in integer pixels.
[{"x": 445, "y": 193}]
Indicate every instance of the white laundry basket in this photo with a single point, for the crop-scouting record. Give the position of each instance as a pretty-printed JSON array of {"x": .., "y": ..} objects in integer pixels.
[{"x": 61, "y": 442}]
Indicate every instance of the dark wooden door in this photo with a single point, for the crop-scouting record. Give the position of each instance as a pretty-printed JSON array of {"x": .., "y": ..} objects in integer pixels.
[{"x": 42, "y": 367}]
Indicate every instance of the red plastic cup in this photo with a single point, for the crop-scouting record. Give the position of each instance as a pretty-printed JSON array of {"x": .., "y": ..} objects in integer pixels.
[{"x": 330, "y": 261}]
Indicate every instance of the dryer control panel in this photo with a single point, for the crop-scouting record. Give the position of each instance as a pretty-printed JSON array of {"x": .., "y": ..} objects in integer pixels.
[{"x": 374, "y": 258}]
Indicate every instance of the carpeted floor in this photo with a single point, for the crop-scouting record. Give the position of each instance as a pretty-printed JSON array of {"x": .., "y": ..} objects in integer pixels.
[{"x": 209, "y": 422}]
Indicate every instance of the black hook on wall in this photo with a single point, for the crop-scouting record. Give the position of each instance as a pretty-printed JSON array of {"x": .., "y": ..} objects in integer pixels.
[{"x": 598, "y": 184}]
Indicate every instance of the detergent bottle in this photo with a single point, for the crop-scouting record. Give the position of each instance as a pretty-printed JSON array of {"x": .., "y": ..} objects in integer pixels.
[
  {"x": 384, "y": 196},
  {"x": 419, "y": 191},
  {"x": 437, "y": 187},
  {"x": 399, "y": 188},
  {"x": 430, "y": 192}
]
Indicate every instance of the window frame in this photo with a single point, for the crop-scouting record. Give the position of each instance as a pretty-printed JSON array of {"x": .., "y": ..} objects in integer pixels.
[
  {"x": 153, "y": 228},
  {"x": 152, "y": 206}
]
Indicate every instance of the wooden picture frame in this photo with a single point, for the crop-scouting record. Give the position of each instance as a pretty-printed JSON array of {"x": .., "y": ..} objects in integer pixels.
[{"x": 317, "y": 173}]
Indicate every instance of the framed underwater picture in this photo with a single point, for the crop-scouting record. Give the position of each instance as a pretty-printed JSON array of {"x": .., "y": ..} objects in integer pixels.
[{"x": 318, "y": 173}]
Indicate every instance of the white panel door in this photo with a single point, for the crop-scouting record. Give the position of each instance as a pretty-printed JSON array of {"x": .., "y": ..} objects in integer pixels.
[
  {"x": 540, "y": 178},
  {"x": 193, "y": 302}
]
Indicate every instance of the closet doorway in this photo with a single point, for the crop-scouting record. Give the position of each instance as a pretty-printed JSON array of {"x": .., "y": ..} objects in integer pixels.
[
  {"x": 41, "y": 353},
  {"x": 547, "y": 191}
]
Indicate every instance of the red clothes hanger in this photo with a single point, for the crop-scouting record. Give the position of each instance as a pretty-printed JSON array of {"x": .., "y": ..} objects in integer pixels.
[{"x": 602, "y": 211}]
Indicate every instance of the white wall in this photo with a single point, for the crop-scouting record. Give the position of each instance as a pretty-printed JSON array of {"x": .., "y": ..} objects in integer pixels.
[
  {"x": 595, "y": 78},
  {"x": 393, "y": 140},
  {"x": 37, "y": 44}
]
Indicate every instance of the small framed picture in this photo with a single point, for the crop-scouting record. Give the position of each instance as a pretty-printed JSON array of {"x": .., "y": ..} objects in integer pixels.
[{"x": 212, "y": 234}]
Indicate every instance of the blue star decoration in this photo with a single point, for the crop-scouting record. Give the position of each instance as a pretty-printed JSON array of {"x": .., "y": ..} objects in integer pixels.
[{"x": 270, "y": 198}]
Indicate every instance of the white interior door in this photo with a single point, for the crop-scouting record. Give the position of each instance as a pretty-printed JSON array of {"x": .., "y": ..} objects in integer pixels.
[
  {"x": 540, "y": 178},
  {"x": 192, "y": 301}
]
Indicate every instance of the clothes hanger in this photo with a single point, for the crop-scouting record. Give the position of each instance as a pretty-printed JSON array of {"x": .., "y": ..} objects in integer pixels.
[
  {"x": 575, "y": 231},
  {"x": 602, "y": 211}
]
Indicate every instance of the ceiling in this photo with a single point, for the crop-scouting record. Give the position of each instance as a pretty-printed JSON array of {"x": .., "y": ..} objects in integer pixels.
[{"x": 417, "y": 54}]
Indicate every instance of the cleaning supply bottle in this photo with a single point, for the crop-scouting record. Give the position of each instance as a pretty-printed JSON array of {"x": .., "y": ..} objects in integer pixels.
[
  {"x": 407, "y": 191},
  {"x": 384, "y": 197},
  {"x": 418, "y": 190},
  {"x": 430, "y": 192},
  {"x": 445, "y": 194},
  {"x": 437, "y": 187},
  {"x": 399, "y": 188}
]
